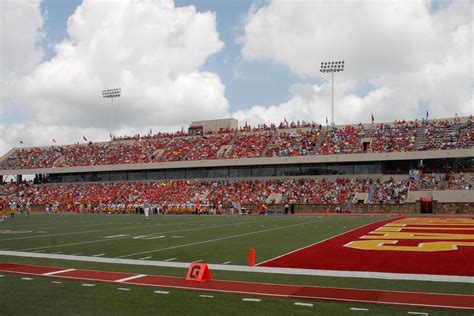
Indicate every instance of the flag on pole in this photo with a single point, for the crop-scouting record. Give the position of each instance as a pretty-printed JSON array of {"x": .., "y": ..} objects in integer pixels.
[
  {"x": 21, "y": 142},
  {"x": 427, "y": 114},
  {"x": 373, "y": 119},
  {"x": 327, "y": 120},
  {"x": 54, "y": 141},
  {"x": 110, "y": 135},
  {"x": 85, "y": 139}
]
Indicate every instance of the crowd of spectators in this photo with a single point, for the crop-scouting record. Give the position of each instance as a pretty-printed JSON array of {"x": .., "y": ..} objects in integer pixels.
[
  {"x": 250, "y": 144},
  {"x": 341, "y": 140},
  {"x": 446, "y": 181},
  {"x": 304, "y": 139},
  {"x": 397, "y": 137},
  {"x": 294, "y": 143},
  {"x": 208, "y": 147},
  {"x": 224, "y": 192}
]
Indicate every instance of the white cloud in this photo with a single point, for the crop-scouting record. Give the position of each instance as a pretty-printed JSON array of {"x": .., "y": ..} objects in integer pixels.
[
  {"x": 21, "y": 24},
  {"x": 400, "y": 48},
  {"x": 151, "y": 49}
]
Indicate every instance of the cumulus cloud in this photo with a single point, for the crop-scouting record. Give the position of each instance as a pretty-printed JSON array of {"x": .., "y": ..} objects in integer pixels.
[
  {"x": 19, "y": 49},
  {"x": 151, "y": 49},
  {"x": 408, "y": 54}
]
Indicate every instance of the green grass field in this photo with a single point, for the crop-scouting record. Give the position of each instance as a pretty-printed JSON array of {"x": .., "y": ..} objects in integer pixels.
[{"x": 212, "y": 239}]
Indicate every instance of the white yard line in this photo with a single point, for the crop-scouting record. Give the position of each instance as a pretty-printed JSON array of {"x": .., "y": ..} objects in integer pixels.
[
  {"x": 115, "y": 236},
  {"x": 359, "y": 309},
  {"x": 56, "y": 282},
  {"x": 206, "y": 296},
  {"x": 97, "y": 231},
  {"x": 170, "y": 259},
  {"x": 212, "y": 240},
  {"x": 133, "y": 277},
  {"x": 162, "y": 292},
  {"x": 418, "y": 313},
  {"x": 27, "y": 279},
  {"x": 243, "y": 268},
  {"x": 227, "y": 262},
  {"x": 251, "y": 300},
  {"x": 304, "y": 304},
  {"x": 58, "y": 272},
  {"x": 144, "y": 258},
  {"x": 196, "y": 261},
  {"x": 123, "y": 289},
  {"x": 113, "y": 239},
  {"x": 88, "y": 284},
  {"x": 99, "y": 255}
]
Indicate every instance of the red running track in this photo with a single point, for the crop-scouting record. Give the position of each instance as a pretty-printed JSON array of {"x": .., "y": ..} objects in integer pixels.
[{"x": 265, "y": 289}]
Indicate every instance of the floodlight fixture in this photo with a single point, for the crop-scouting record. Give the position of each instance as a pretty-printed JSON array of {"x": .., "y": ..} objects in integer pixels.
[
  {"x": 332, "y": 67},
  {"x": 111, "y": 94}
]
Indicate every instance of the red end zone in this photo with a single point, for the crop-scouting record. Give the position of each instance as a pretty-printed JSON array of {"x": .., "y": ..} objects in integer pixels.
[{"x": 419, "y": 245}]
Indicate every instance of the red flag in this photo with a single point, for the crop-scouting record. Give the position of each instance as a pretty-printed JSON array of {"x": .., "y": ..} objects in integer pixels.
[
  {"x": 85, "y": 139},
  {"x": 427, "y": 114},
  {"x": 54, "y": 140},
  {"x": 373, "y": 119}
]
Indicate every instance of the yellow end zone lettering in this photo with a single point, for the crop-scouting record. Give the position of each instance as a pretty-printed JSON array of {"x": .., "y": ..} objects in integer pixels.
[{"x": 422, "y": 247}]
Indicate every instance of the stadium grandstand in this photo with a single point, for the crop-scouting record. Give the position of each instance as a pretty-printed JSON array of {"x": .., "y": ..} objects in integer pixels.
[{"x": 228, "y": 168}]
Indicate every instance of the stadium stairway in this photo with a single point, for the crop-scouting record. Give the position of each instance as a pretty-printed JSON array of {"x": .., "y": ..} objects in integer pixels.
[{"x": 270, "y": 143}]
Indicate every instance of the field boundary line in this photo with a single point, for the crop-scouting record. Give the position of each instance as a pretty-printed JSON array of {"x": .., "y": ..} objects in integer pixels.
[
  {"x": 321, "y": 241},
  {"x": 237, "y": 268}
]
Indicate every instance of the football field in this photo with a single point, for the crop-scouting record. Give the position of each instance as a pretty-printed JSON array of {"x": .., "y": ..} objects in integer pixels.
[{"x": 166, "y": 245}]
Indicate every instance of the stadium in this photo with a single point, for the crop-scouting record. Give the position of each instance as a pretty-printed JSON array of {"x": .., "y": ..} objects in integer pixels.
[
  {"x": 225, "y": 215},
  {"x": 272, "y": 189}
]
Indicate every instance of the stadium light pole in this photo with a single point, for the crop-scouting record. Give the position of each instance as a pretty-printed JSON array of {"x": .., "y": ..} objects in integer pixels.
[
  {"x": 111, "y": 94},
  {"x": 332, "y": 67}
]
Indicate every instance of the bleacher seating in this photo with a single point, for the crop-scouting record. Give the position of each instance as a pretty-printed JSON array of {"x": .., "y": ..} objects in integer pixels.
[{"x": 265, "y": 140}]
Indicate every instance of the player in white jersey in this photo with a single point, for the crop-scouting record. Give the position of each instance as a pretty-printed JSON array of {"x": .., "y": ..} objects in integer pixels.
[{"x": 146, "y": 209}]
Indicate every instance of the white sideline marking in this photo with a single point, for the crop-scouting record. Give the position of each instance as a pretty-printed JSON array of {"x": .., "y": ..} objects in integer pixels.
[
  {"x": 170, "y": 259},
  {"x": 257, "y": 269},
  {"x": 115, "y": 236},
  {"x": 212, "y": 240},
  {"x": 206, "y": 296},
  {"x": 144, "y": 258},
  {"x": 251, "y": 299},
  {"x": 177, "y": 236},
  {"x": 227, "y": 262},
  {"x": 88, "y": 284},
  {"x": 1, "y": 275},
  {"x": 133, "y": 277},
  {"x": 58, "y": 272},
  {"x": 418, "y": 313},
  {"x": 304, "y": 304},
  {"x": 123, "y": 289},
  {"x": 98, "y": 255},
  {"x": 27, "y": 279},
  {"x": 56, "y": 282},
  {"x": 162, "y": 292},
  {"x": 359, "y": 309}
]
